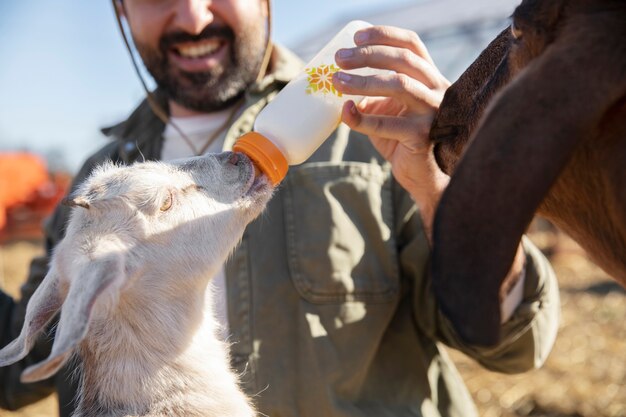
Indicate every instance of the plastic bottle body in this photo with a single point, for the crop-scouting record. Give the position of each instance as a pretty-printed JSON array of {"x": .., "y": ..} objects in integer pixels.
[
  {"x": 297, "y": 124},
  {"x": 306, "y": 111}
]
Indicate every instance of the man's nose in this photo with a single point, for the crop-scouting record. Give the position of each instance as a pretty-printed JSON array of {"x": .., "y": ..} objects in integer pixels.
[{"x": 192, "y": 16}]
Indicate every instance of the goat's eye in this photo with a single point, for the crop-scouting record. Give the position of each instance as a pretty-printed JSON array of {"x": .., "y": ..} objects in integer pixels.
[
  {"x": 515, "y": 31},
  {"x": 167, "y": 203}
]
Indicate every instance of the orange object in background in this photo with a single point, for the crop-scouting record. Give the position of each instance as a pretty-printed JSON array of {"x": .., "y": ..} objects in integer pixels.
[{"x": 28, "y": 193}]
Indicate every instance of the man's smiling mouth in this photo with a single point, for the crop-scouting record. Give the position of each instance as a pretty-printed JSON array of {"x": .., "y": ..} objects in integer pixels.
[{"x": 200, "y": 49}]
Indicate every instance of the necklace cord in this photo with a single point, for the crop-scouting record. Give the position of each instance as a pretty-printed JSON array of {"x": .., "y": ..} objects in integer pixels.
[
  {"x": 214, "y": 135},
  {"x": 154, "y": 105}
]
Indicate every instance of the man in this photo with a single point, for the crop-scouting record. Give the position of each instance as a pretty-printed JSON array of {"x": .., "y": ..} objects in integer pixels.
[{"x": 326, "y": 301}]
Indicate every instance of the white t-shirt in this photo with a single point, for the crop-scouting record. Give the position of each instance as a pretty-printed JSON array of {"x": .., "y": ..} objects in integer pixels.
[{"x": 198, "y": 129}]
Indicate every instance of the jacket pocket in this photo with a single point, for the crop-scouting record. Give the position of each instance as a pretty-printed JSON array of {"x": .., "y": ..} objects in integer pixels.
[{"x": 339, "y": 223}]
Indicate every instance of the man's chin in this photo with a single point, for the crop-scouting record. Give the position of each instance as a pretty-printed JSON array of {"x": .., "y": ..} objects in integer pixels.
[
  {"x": 205, "y": 91},
  {"x": 204, "y": 100}
]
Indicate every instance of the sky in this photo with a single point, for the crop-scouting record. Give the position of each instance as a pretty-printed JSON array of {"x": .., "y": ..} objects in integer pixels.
[{"x": 64, "y": 72}]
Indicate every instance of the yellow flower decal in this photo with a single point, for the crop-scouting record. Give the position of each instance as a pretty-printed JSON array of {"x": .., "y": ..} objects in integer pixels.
[{"x": 320, "y": 79}]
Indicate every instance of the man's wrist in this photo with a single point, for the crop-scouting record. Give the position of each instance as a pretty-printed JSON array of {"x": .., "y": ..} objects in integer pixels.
[
  {"x": 512, "y": 288},
  {"x": 427, "y": 200}
]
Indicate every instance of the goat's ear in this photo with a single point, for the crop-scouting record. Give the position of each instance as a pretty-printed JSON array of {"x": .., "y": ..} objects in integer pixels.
[
  {"x": 76, "y": 313},
  {"x": 524, "y": 142},
  {"x": 43, "y": 305}
]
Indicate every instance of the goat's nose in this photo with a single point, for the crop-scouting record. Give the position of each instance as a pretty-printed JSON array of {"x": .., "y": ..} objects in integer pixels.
[{"x": 234, "y": 158}]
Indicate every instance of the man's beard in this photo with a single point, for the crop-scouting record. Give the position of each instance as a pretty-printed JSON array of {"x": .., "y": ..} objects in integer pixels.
[{"x": 218, "y": 87}]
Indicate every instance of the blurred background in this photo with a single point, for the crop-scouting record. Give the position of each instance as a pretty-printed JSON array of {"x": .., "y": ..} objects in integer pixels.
[{"x": 65, "y": 74}]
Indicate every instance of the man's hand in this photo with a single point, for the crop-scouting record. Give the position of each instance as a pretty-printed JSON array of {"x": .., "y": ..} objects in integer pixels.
[{"x": 398, "y": 109}]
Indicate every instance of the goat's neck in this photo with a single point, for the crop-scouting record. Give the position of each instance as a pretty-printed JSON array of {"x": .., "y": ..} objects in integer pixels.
[
  {"x": 159, "y": 358},
  {"x": 587, "y": 203}
]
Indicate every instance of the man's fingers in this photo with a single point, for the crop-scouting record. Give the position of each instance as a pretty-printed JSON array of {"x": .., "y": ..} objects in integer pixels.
[
  {"x": 402, "y": 61},
  {"x": 415, "y": 95},
  {"x": 410, "y": 132},
  {"x": 393, "y": 36}
]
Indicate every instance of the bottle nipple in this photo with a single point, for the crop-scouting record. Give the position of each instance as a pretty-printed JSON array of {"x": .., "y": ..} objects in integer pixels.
[
  {"x": 264, "y": 154},
  {"x": 257, "y": 171}
]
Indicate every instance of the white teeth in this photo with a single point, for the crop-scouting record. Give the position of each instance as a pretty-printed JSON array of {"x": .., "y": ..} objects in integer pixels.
[{"x": 196, "y": 51}]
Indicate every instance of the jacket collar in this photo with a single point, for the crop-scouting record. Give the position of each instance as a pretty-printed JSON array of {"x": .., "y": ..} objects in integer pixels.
[{"x": 139, "y": 136}]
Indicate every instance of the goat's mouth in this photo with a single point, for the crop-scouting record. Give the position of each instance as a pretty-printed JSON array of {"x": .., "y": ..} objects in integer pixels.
[
  {"x": 257, "y": 182},
  {"x": 440, "y": 134},
  {"x": 260, "y": 183},
  {"x": 449, "y": 141}
]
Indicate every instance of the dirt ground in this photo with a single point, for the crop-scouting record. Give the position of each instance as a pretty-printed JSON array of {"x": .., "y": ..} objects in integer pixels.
[{"x": 585, "y": 375}]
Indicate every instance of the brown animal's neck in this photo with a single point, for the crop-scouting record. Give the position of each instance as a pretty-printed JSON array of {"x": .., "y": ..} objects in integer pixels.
[
  {"x": 588, "y": 201},
  {"x": 606, "y": 250}
]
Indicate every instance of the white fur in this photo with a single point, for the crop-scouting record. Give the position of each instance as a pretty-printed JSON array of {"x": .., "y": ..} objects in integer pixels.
[{"x": 131, "y": 277}]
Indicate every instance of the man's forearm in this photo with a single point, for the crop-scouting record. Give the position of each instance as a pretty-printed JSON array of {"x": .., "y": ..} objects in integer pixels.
[{"x": 426, "y": 196}]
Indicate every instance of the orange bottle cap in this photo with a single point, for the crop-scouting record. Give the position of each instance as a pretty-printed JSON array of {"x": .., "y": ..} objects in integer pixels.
[{"x": 264, "y": 154}]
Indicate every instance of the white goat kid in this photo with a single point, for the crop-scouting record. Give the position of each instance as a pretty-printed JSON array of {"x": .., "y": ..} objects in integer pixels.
[{"x": 130, "y": 279}]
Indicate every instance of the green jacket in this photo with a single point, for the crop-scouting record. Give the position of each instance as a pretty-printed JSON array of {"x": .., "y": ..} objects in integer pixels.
[{"x": 329, "y": 303}]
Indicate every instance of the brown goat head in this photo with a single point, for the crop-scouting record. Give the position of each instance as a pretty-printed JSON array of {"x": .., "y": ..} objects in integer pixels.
[
  {"x": 532, "y": 30},
  {"x": 536, "y": 123}
]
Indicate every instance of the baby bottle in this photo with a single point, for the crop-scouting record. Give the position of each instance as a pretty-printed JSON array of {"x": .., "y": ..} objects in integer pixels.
[{"x": 303, "y": 114}]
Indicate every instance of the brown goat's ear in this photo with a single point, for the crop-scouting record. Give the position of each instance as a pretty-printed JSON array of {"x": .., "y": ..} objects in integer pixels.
[
  {"x": 41, "y": 308},
  {"x": 75, "y": 202},
  {"x": 524, "y": 142},
  {"x": 76, "y": 315}
]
